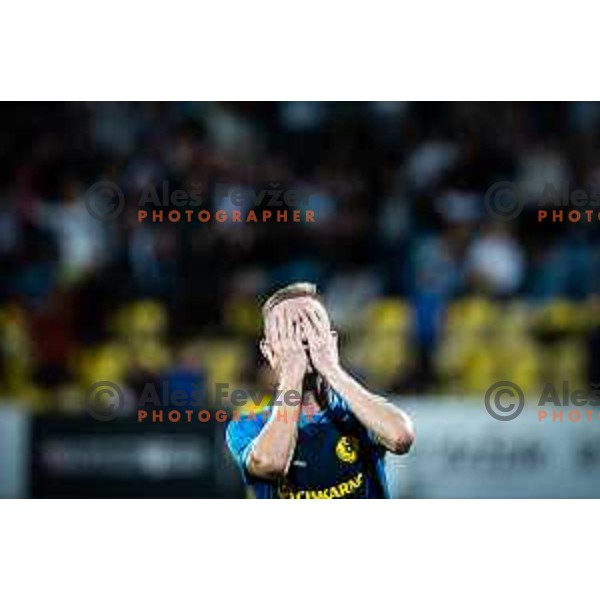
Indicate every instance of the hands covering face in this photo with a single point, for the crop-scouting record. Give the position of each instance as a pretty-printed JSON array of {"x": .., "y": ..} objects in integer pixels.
[
  {"x": 296, "y": 328},
  {"x": 322, "y": 341},
  {"x": 284, "y": 348}
]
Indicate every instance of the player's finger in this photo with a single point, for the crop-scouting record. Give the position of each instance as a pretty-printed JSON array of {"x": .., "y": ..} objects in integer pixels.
[
  {"x": 296, "y": 326},
  {"x": 301, "y": 327},
  {"x": 314, "y": 327},
  {"x": 271, "y": 329},
  {"x": 308, "y": 336},
  {"x": 319, "y": 317},
  {"x": 311, "y": 333},
  {"x": 279, "y": 332},
  {"x": 289, "y": 323}
]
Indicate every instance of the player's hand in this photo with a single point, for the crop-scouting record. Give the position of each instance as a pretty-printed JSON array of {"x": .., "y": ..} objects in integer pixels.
[
  {"x": 286, "y": 338},
  {"x": 322, "y": 342}
]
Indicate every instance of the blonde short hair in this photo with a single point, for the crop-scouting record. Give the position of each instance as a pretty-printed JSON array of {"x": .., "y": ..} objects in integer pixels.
[{"x": 294, "y": 290}]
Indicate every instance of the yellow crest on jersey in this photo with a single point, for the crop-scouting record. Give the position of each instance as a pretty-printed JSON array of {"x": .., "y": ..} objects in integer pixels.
[{"x": 347, "y": 449}]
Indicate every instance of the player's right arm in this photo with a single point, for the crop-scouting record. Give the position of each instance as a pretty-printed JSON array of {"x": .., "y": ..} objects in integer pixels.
[{"x": 273, "y": 448}]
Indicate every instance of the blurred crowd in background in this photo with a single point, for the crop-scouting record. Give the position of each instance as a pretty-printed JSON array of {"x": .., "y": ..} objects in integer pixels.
[{"x": 430, "y": 294}]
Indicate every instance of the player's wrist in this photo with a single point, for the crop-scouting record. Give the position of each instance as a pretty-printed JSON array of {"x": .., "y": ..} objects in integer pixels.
[
  {"x": 332, "y": 372},
  {"x": 291, "y": 381},
  {"x": 292, "y": 367}
]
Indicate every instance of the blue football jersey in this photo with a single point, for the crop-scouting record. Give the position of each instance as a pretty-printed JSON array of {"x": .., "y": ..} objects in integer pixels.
[{"x": 335, "y": 456}]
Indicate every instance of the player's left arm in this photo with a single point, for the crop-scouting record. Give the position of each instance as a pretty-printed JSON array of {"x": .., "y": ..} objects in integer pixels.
[{"x": 389, "y": 424}]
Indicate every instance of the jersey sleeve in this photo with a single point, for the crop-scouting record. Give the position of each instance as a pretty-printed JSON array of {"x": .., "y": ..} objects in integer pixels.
[{"x": 240, "y": 438}]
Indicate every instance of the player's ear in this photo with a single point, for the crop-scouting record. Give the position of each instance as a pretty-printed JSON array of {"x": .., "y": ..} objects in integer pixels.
[
  {"x": 335, "y": 336},
  {"x": 267, "y": 352}
]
